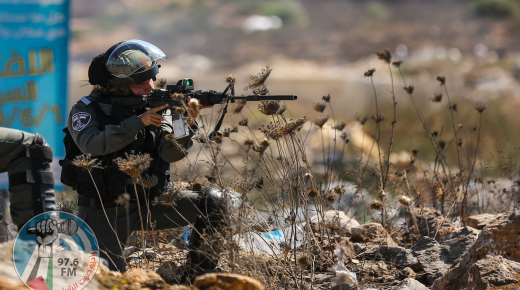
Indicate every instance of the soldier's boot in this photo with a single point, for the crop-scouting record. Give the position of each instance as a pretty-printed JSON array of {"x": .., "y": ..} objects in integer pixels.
[
  {"x": 204, "y": 244},
  {"x": 31, "y": 182}
]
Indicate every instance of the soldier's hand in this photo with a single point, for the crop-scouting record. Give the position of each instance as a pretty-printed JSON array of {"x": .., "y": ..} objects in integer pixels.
[
  {"x": 46, "y": 231},
  {"x": 151, "y": 117}
]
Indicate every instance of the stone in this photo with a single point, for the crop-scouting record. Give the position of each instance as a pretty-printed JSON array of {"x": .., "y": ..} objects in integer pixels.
[
  {"x": 433, "y": 258},
  {"x": 410, "y": 284},
  {"x": 130, "y": 250},
  {"x": 481, "y": 221},
  {"x": 373, "y": 233},
  {"x": 149, "y": 253},
  {"x": 11, "y": 284},
  {"x": 170, "y": 272},
  {"x": 140, "y": 276},
  {"x": 493, "y": 260},
  {"x": 407, "y": 259},
  {"x": 460, "y": 241},
  {"x": 387, "y": 253},
  {"x": 408, "y": 273},
  {"x": 227, "y": 281},
  {"x": 336, "y": 220},
  {"x": 431, "y": 223}
]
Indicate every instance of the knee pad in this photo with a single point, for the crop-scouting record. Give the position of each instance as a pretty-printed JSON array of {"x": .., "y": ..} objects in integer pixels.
[{"x": 40, "y": 176}]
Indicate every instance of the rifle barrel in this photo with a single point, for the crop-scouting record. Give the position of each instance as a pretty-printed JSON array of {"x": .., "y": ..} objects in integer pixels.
[{"x": 267, "y": 97}]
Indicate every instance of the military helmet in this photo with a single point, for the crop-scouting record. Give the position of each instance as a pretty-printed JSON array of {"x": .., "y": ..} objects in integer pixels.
[{"x": 128, "y": 62}]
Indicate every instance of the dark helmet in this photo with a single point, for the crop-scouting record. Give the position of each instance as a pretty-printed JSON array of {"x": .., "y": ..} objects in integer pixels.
[{"x": 125, "y": 63}]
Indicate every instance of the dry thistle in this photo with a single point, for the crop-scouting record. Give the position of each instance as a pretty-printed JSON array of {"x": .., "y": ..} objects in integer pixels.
[
  {"x": 379, "y": 117},
  {"x": 134, "y": 164},
  {"x": 441, "y": 80},
  {"x": 148, "y": 181},
  {"x": 241, "y": 101},
  {"x": 370, "y": 73},
  {"x": 262, "y": 146},
  {"x": 437, "y": 98},
  {"x": 160, "y": 83},
  {"x": 234, "y": 129},
  {"x": 320, "y": 120},
  {"x": 123, "y": 199},
  {"x": 312, "y": 193},
  {"x": 441, "y": 144},
  {"x": 343, "y": 135},
  {"x": 414, "y": 152},
  {"x": 269, "y": 107},
  {"x": 170, "y": 195},
  {"x": 459, "y": 142},
  {"x": 339, "y": 190},
  {"x": 170, "y": 137},
  {"x": 217, "y": 139},
  {"x": 194, "y": 104},
  {"x": 243, "y": 122},
  {"x": 360, "y": 119},
  {"x": 330, "y": 197},
  {"x": 281, "y": 110},
  {"x": 230, "y": 79},
  {"x": 376, "y": 204},
  {"x": 409, "y": 89},
  {"x": 397, "y": 64},
  {"x": 249, "y": 142},
  {"x": 435, "y": 133},
  {"x": 340, "y": 125},
  {"x": 261, "y": 91},
  {"x": 304, "y": 261},
  {"x": 226, "y": 132},
  {"x": 236, "y": 108},
  {"x": 480, "y": 107},
  {"x": 259, "y": 183},
  {"x": 276, "y": 131},
  {"x": 326, "y": 98},
  {"x": 320, "y": 107},
  {"x": 180, "y": 110},
  {"x": 87, "y": 162},
  {"x": 177, "y": 97},
  {"x": 454, "y": 107},
  {"x": 260, "y": 79},
  {"x": 385, "y": 56},
  {"x": 307, "y": 176},
  {"x": 404, "y": 200}
]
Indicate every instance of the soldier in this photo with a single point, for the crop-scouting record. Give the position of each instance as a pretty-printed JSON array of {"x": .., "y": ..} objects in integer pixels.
[
  {"x": 113, "y": 122},
  {"x": 26, "y": 158}
]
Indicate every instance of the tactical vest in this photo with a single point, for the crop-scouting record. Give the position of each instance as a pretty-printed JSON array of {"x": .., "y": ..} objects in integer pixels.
[{"x": 109, "y": 180}]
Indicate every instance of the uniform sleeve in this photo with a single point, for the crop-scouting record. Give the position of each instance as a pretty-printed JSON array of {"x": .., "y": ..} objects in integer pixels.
[
  {"x": 173, "y": 151},
  {"x": 90, "y": 138}
]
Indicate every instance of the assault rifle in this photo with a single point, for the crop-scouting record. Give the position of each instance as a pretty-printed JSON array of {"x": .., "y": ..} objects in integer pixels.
[{"x": 186, "y": 86}]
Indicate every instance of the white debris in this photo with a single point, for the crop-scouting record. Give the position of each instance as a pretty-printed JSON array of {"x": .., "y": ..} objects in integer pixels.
[{"x": 343, "y": 275}]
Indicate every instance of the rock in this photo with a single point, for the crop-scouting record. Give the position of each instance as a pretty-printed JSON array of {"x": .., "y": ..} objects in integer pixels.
[
  {"x": 436, "y": 258},
  {"x": 493, "y": 260},
  {"x": 130, "y": 250},
  {"x": 11, "y": 284},
  {"x": 482, "y": 220},
  {"x": 460, "y": 241},
  {"x": 410, "y": 284},
  {"x": 140, "y": 275},
  {"x": 408, "y": 273},
  {"x": 170, "y": 272},
  {"x": 407, "y": 259},
  {"x": 335, "y": 219},
  {"x": 387, "y": 253},
  {"x": 373, "y": 233},
  {"x": 227, "y": 281},
  {"x": 433, "y": 258},
  {"x": 359, "y": 248},
  {"x": 149, "y": 253},
  {"x": 429, "y": 220}
]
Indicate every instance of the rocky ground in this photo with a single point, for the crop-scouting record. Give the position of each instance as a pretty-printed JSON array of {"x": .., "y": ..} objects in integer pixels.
[{"x": 484, "y": 255}]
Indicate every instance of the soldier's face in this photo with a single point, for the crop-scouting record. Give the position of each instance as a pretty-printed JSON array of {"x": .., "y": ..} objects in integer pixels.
[{"x": 143, "y": 88}]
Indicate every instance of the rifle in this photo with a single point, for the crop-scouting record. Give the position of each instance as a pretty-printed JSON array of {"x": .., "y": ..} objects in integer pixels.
[{"x": 186, "y": 86}]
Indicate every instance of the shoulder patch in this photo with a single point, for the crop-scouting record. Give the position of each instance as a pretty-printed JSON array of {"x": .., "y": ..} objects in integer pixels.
[
  {"x": 85, "y": 101},
  {"x": 80, "y": 120}
]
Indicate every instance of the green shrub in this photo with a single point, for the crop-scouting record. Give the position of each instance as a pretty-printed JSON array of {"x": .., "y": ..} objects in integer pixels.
[{"x": 496, "y": 8}]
